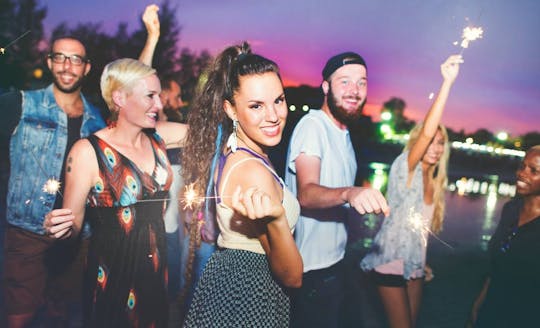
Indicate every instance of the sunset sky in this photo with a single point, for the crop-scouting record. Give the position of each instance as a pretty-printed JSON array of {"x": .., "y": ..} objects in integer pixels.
[{"x": 403, "y": 42}]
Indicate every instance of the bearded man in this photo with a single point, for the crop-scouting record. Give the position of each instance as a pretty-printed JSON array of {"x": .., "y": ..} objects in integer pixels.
[
  {"x": 40, "y": 126},
  {"x": 321, "y": 169}
]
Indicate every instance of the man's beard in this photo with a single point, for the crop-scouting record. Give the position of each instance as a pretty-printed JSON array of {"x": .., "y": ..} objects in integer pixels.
[
  {"x": 73, "y": 88},
  {"x": 341, "y": 114}
]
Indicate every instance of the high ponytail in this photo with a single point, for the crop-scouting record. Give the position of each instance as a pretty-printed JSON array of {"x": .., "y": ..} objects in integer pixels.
[{"x": 209, "y": 127}]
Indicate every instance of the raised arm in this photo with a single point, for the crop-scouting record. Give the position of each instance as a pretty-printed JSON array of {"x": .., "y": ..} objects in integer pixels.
[
  {"x": 312, "y": 195},
  {"x": 449, "y": 71},
  {"x": 81, "y": 175},
  {"x": 173, "y": 134},
  {"x": 151, "y": 21},
  {"x": 257, "y": 196}
]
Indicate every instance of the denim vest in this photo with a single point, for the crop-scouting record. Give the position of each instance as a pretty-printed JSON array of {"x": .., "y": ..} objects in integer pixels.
[{"x": 37, "y": 150}]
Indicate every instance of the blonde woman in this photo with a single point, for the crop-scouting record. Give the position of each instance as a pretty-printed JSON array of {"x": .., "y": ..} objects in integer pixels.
[
  {"x": 117, "y": 178},
  {"x": 416, "y": 198}
]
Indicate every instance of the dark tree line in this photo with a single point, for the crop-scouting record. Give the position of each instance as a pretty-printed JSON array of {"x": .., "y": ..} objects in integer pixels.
[{"x": 22, "y": 62}]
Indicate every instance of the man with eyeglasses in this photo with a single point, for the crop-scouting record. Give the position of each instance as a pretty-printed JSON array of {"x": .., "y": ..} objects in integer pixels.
[{"x": 41, "y": 126}]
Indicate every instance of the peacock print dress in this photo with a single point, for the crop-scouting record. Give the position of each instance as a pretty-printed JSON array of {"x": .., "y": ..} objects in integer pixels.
[{"x": 126, "y": 269}]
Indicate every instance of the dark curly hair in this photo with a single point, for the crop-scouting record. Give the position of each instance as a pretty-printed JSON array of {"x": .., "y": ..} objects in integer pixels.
[{"x": 206, "y": 117}]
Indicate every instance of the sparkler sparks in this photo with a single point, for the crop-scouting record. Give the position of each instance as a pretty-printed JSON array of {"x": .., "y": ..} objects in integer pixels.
[
  {"x": 191, "y": 197},
  {"x": 417, "y": 224},
  {"x": 51, "y": 186},
  {"x": 470, "y": 34},
  {"x": 3, "y": 49}
]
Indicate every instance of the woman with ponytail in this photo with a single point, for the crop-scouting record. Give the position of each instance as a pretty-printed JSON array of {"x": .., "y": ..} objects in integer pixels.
[
  {"x": 416, "y": 198},
  {"x": 239, "y": 114}
]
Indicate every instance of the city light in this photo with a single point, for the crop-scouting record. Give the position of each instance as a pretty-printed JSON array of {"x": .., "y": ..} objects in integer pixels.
[
  {"x": 386, "y": 130},
  {"x": 386, "y": 116},
  {"x": 38, "y": 73},
  {"x": 487, "y": 149},
  {"x": 379, "y": 178},
  {"x": 292, "y": 108},
  {"x": 305, "y": 108},
  {"x": 466, "y": 186},
  {"x": 502, "y": 136}
]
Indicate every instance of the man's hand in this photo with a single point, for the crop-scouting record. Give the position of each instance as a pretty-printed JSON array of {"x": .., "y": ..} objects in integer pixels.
[
  {"x": 367, "y": 200},
  {"x": 58, "y": 223}
]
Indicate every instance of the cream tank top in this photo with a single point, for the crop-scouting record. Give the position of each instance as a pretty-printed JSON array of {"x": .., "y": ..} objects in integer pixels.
[{"x": 238, "y": 233}]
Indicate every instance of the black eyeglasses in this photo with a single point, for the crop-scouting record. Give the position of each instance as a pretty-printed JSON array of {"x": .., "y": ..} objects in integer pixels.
[
  {"x": 505, "y": 244},
  {"x": 60, "y": 58}
]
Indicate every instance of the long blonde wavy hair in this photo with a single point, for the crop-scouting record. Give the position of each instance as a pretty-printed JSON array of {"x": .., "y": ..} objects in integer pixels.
[{"x": 439, "y": 173}]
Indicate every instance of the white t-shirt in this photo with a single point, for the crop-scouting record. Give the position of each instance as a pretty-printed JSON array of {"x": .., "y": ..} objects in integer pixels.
[{"x": 321, "y": 235}]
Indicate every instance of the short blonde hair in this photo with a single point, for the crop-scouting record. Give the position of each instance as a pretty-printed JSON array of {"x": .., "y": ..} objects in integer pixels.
[{"x": 121, "y": 74}]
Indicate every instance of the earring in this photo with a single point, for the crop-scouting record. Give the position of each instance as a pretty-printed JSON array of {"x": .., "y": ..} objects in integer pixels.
[
  {"x": 111, "y": 124},
  {"x": 232, "y": 142}
]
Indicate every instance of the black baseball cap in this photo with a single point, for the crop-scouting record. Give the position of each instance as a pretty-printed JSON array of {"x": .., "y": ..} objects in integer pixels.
[{"x": 342, "y": 59}]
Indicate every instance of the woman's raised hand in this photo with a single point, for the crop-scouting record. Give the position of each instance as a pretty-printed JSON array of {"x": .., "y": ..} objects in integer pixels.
[{"x": 256, "y": 204}]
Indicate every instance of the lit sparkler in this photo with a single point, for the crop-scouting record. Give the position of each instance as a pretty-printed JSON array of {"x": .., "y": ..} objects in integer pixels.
[
  {"x": 417, "y": 224},
  {"x": 191, "y": 197},
  {"x": 51, "y": 186},
  {"x": 469, "y": 34},
  {"x": 3, "y": 49}
]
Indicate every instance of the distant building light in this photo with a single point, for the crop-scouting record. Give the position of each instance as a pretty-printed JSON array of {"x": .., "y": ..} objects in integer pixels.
[
  {"x": 469, "y": 140},
  {"x": 386, "y": 116},
  {"x": 456, "y": 144},
  {"x": 38, "y": 73},
  {"x": 292, "y": 108},
  {"x": 378, "y": 166},
  {"x": 386, "y": 129},
  {"x": 502, "y": 136},
  {"x": 305, "y": 108}
]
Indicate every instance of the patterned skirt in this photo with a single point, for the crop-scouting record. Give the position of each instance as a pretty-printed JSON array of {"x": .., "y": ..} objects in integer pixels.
[{"x": 237, "y": 289}]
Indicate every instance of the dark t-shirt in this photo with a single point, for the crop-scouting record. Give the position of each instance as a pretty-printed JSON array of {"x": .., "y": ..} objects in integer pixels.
[
  {"x": 10, "y": 111},
  {"x": 74, "y": 134},
  {"x": 514, "y": 289}
]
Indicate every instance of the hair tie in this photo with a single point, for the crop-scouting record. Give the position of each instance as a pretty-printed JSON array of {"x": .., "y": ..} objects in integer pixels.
[{"x": 241, "y": 56}]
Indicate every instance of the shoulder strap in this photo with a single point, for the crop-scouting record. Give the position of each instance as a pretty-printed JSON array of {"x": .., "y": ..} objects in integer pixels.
[
  {"x": 94, "y": 142},
  {"x": 226, "y": 178}
]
